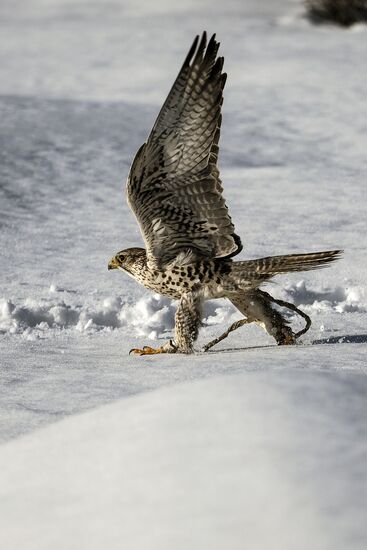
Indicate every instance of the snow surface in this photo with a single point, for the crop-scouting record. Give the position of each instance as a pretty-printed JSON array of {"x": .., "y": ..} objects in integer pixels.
[
  {"x": 249, "y": 445},
  {"x": 212, "y": 464}
]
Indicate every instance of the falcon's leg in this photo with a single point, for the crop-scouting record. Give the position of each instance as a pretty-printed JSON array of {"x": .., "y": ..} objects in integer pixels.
[
  {"x": 187, "y": 323},
  {"x": 256, "y": 306}
]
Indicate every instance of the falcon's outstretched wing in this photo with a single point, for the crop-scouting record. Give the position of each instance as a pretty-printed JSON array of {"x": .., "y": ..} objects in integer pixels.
[{"x": 173, "y": 187}]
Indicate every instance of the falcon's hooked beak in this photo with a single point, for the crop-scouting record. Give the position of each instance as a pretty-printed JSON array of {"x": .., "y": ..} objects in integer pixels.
[{"x": 113, "y": 264}]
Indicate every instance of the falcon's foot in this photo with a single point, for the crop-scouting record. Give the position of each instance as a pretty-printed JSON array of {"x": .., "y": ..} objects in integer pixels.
[
  {"x": 285, "y": 337},
  {"x": 169, "y": 347}
]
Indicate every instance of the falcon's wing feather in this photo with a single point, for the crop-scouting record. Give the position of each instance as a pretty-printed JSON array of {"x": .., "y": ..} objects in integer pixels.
[{"x": 173, "y": 186}]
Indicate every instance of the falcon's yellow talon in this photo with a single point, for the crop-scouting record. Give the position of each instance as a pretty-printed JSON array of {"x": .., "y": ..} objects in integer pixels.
[
  {"x": 147, "y": 350},
  {"x": 136, "y": 351}
]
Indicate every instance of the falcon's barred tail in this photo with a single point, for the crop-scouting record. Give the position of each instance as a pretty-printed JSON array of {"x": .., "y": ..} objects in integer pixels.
[{"x": 264, "y": 268}]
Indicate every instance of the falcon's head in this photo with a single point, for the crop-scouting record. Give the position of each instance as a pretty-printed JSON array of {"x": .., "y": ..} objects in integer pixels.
[{"x": 130, "y": 260}]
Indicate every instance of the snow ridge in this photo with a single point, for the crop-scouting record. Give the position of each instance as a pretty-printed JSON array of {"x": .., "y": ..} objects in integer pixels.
[
  {"x": 351, "y": 298},
  {"x": 153, "y": 315}
]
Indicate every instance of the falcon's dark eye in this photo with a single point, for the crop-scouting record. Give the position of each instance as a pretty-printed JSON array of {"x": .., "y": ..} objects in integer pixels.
[{"x": 121, "y": 258}]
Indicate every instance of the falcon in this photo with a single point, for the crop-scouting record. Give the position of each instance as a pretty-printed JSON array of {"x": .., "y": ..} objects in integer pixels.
[{"x": 175, "y": 192}]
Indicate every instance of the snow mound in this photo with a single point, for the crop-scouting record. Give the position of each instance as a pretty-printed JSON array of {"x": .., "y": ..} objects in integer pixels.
[
  {"x": 341, "y": 299},
  {"x": 154, "y": 315},
  {"x": 225, "y": 461},
  {"x": 151, "y": 316}
]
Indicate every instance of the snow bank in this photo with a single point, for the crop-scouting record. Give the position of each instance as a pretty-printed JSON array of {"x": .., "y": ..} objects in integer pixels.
[
  {"x": 153, "y": 315},
  {"x": 351, "y": 298},
  {"x": 150, "y": 316},
  {"x": 221, "y": 463}
]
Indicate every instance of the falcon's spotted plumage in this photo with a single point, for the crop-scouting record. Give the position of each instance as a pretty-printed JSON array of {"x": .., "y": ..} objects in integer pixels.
[{"x": 175, "y": 192}]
